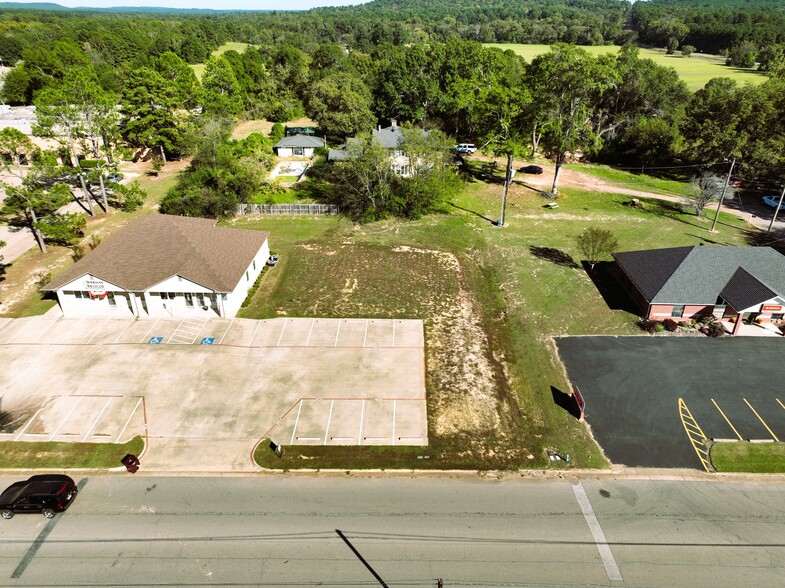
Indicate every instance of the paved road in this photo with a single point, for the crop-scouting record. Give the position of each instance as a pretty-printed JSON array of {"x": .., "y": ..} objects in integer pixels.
[{"x": 282, "y": 531}]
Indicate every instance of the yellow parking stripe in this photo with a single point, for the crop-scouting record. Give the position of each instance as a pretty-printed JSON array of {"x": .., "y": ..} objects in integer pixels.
[
  {"x": 761, "y": 420},
  {"x": 778, "y": 400},
  {"x": 695, "y": 434},
  {"x": 727, "y": 420}
]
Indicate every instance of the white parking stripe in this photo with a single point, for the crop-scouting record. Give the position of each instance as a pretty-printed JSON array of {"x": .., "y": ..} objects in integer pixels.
[
  {"x": 128, "y": 421},
  {"x": 175, "y": 331},
  {"x": 227, "y": 330},
  {"x": 124, "y": 329},
  {"x": 78, "y": 400},
  {"x": 337, "y": 333},
  {"x": 22, "y": 320},
  {"x": 90, "y": 430},
  {"x": 362, "y": 424},
  {"x": 329, "y": 418},
  {"x": 98, "y": 330},
  {"x": 144, "y": 338},
  {"x": 45, "y": 331},
  {"x": 393, "y": 431},
  {"x": 393, "y": 341},
  {"x": 309, "y": 332},
  {"x": 22, "y": 432},
  {"x": 297, "y": 420},
  {"x": 365, "y": 336},
  {"x": 596, "y": 531},
  {"x": 254, "y": 333},
  {"x": 282, "y": 330}
]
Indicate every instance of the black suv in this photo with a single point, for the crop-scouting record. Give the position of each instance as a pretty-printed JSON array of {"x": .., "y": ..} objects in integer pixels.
[{"x": 47, "y": 494}]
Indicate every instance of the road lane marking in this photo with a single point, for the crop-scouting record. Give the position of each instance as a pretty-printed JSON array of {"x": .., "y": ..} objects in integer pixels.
[
  {"x": 596, "y": 531},
  {"x": 39, "y": 541},
  {"x": 727, "y": 420},
  {"x": 694, "y": 433},
  {"x": 762, "y": 421}
]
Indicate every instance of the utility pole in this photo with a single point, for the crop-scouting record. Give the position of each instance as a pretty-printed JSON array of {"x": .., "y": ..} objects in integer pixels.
[
  {"x": 507, "y": 179},
  {"x": 776, "y": 210},
  {"x": 722, "y": 197}
]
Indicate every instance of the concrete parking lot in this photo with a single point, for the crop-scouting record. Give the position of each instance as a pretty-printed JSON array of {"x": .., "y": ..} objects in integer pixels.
[{"x": 204, "y": 392}]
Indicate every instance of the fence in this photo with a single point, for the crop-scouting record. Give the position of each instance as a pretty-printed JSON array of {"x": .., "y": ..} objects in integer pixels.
[{"x": 284, "y": 209}]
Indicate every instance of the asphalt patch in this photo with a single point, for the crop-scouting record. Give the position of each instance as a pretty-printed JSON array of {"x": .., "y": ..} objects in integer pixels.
[{"x": 632, "y": 386}]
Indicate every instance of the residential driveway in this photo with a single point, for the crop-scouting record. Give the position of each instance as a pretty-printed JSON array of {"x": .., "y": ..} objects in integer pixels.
[
  {"x": 204, "y": 392},
  {"x": 632, "y": 385}
]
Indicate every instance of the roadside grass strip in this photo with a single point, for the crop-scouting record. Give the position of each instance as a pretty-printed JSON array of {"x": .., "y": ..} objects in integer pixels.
[
  {"x": 695, "y": 434},
  {"x": 742, "y": 457}
]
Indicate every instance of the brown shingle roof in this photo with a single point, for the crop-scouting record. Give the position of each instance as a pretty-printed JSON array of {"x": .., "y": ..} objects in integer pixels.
[{"x": 158, "y": 246}]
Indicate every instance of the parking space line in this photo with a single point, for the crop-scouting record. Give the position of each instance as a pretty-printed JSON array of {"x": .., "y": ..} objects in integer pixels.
[
  {"x": 177, "y": 328},
  {"x": 74, "y": 330},
  {"x": 5, "y": 323},
  {"x": 130, "y": 322},
  {"x": 393, "y": 341},
  {"x": 258, "y": 324},
  {"x": 393, "y": 431},
  {"x": 92, "y": 425},
  {"x": 73, "y": 408},
  {"x": 329, "y": 417},
  {"x": 22, "y": 328},
  {"x": 307, "y": 340},
  {"x": 204, "y": 324},
  {"x": 761, "y": 420},
  {"x": 98, "y": 330},
  {"x": 297, "y": 420},
  {"x": 727, "y": 420},
  {"x": 22, "y": 432},
  {"x": 227, "y": 330},
  {"x": 125, "y": 426},
  {"x": 362, "y": 423},
  {"x": 144, "y": 338},
  {"x": 282, "y": 330},
  {"x": 337, "y": 333},
  {"x": 780, "y": 403},
  {"x": 694, "y": 433},
  {"x": 45, "y": 331},
  {"x": 365, "y": 336}
]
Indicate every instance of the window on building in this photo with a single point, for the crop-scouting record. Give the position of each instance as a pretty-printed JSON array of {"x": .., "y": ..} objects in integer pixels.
[
  {"x": 77, "y": 294},
  {"x": 298, "y": 151},
  {"x": 189, "y": 299},
  {"x": 678, "y": 311},
  {"x": 777, "y": 316},
  {"x": 110, "y": 299},
  {"x": 247, "y": 278},
  {"x": 254, "y": 264}
]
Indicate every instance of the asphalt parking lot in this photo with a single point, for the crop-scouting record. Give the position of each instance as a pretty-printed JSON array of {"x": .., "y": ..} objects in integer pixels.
[
  {"x": 632, "y": 385},
  {"x": 204, "y": 392}
]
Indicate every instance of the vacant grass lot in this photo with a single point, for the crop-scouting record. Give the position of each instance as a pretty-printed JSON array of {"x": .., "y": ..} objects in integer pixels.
[
  {"x": 230, "y": 46},
  {"x": 491, "y": 298},
  {"x": 758, "y": 458},
  {"x": 695, "y": 70}
]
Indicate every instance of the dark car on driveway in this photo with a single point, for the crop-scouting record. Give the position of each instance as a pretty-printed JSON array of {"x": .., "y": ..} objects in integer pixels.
[
  {"x": 47, "y": 494},
  {"x": 530, "y": 169}
]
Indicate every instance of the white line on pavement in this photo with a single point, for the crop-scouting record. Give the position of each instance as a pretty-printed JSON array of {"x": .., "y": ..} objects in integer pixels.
[
  {"x": 596, "y": 531},
  {"x": 297, "y": 420}
]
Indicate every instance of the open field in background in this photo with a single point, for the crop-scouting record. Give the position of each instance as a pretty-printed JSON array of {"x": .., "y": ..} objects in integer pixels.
[
  {"x": 245, "y": 128},
  {"x": 230, "y": 46},
  {"x": 758, "y": 458},
  {"x": 632, "y": 181},
  {"x": 695, "y": 70}
]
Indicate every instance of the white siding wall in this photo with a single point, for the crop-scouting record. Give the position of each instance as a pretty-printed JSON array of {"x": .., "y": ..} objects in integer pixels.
[
  {"x": 177, "y": 292},
  {"x": 284, "y": 151}
]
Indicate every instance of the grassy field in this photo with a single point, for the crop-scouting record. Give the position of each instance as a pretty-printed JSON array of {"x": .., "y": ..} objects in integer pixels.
[
  {"x": 758, "y": 458},
  {"x": 230, "y": 46},
  {"x": 632, "y": 181},
  {"x": 524, "y": 284},
  {"x": 50, "y": 455},
  {"x": 695, "y": 70}
]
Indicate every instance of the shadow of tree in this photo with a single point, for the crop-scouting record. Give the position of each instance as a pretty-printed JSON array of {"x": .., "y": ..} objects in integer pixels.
[
  {"x": 553, "y": 255},
  {"x": 565, "y": 401},
  {"x": 775, "y": 240},
  {"x": 474, "y": 212},
  {"x": 612, "y": 292}
]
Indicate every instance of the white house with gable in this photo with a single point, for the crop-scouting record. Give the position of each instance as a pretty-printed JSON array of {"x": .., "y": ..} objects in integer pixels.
[{"x": 164, "y": 266}]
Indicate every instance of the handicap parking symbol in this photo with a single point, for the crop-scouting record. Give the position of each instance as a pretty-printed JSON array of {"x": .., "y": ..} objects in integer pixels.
[
  {"x": 207, "y": 341},
  {"x": 155, "y": 340}
]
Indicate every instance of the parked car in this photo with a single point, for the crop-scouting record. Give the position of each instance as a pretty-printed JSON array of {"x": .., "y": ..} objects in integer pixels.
[
  {"x": 772, "y": 201},
  {"x": 465, "y": 148},
  {"x": 272, "y": 260},
  {"x": 530, "y": 169},
  {"x": 46, "y": 493}
]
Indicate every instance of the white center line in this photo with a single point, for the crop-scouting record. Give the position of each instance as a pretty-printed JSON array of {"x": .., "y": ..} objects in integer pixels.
[{"x": 596, "y": 531}]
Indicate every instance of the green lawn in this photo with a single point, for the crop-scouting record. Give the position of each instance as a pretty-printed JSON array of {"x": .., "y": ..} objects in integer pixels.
[
  {"x": 759, "y": 458},
  {"x": 632, "y": 181},
  {"x": 230, "y": 46},
  {"x": 695, "y": 70},
  {"x": 18, "y": 455}
]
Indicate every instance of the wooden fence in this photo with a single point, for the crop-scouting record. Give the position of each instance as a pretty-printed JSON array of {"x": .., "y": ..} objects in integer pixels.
[{"x": 286, "y": 209}]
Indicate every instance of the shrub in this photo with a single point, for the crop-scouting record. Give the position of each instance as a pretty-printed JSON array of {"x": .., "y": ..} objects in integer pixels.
[
  {"x": 658, "y": 328},
  {"x": 670, "y": 325},
  {"x": 715, "y": 329},
  {"x": 650, "y": 326}
]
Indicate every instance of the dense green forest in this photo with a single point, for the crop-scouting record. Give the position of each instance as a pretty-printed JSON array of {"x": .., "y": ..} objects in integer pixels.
[{"x": 104, "y": 82}]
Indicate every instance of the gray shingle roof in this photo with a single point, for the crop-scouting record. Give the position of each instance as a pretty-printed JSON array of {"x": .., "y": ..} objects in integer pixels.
[
  {"x": 699, "y": 275},
  {"x": 300, "y": 141},
  {"x": 158, "y": 246}
]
